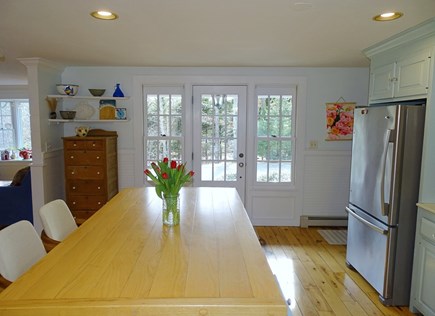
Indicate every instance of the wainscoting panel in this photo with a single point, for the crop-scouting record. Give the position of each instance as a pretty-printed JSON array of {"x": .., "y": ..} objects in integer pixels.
[
  {"x": 326, "y": 183},
  {"x": 126, "y": 168},
  {"x": 269, "y": 209}
]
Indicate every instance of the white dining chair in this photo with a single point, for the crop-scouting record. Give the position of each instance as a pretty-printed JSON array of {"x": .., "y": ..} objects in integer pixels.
[
  {"x": 57, "y": 220},
  {"x": 20, "y": 248}
]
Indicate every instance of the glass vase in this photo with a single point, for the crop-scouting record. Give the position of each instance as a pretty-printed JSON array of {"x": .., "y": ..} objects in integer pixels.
[
  {"x": 171, "y": 210},
  {"x": 118, "y": 92}
]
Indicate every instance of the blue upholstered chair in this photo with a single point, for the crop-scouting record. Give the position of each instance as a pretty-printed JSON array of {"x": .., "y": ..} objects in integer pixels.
[{"x": 16, "y": 199}]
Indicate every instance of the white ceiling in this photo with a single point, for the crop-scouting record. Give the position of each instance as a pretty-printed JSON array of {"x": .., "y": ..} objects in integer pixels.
[{"x": 325, "y": 33}]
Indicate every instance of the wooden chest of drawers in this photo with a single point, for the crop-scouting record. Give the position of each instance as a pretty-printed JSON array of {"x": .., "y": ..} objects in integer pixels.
[{"x": 91, "y": 173}]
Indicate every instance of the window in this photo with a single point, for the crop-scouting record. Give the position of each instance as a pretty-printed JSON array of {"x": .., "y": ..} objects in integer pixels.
[
  {"x": 15, "y": 124},
  {"x": 275, "y": 135},
  {"x": 219, "y": 121},
  {"x": 163, "y": 129}
]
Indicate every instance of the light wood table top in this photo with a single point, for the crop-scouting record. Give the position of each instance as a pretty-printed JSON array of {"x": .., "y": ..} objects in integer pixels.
[{"x": 123, "y": 261}]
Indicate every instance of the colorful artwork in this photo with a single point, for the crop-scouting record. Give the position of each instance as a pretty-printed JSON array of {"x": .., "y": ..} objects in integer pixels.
[
  {"x": 339, "y": 120},
  {"x": 121, "y": 114}
]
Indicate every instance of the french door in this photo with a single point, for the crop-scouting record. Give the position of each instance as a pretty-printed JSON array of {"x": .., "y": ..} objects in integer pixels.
[{"x": 219, "y": 136}]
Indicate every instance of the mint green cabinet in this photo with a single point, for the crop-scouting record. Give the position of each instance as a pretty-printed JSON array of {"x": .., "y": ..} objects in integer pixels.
[
  {"x": 423, "y": 275},
  {"x": 404, "y": 76}
]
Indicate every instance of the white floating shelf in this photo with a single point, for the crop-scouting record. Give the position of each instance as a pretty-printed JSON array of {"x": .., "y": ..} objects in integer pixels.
[
  {"x": 87, "y": 121},
  {"x": 82, "y": 97}
]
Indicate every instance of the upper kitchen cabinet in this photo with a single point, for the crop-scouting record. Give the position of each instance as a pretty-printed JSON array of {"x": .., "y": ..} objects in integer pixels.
[
  {"x": 402, "y": 66},
  {"x": 405, "y": 77}
]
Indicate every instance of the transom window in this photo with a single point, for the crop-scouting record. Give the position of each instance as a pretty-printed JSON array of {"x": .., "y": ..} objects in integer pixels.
[
  {"x": 163, "y": 130},
  {"x": 15, "y": 131},
  {"x": 275, "y": 135}
]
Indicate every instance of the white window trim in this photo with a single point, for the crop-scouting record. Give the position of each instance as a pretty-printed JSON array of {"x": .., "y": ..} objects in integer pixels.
[{"x": 187, "y": 81}]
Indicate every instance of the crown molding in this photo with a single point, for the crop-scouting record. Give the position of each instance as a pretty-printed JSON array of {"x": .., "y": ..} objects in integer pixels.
[
  {"x": 36, "y": 61},
  {"x": 418, "y": 32}
]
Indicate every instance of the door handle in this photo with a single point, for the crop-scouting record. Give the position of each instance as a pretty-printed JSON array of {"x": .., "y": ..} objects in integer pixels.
[
  {"x": 366, "y": 222},
  {"x": 384, "y": 206}
]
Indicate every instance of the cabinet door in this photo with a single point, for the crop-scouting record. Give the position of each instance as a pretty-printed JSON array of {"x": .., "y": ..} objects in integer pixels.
[
  {"x": 382, "y": 82},
  {"x": 412, "y": 74},
  {"x": 426, "y": 278}
]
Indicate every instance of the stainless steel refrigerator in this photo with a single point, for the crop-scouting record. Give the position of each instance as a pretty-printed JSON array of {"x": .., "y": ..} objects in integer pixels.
[{"x": 384, "y": 185}]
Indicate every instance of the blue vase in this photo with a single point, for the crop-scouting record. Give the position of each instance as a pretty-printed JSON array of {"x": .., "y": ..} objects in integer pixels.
[{"x": 118, "y": 92}]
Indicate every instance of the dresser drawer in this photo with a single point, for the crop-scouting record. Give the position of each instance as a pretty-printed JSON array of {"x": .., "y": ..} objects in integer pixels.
[
  {"x": 85, "y": 157},
  {"x": 427, "y": 230},
  {"x": 86, "y": 202},
  {"x": 85, "y": 144},
  {"x": 74, "y": 145},
  {"x": 81, "y": 216},
  {"x": 86, "y": 187},
  {"x": 95, "y": 145},
  {"x": 85, "y": 172}
]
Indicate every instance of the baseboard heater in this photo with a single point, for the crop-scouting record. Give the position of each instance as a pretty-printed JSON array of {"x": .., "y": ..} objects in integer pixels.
[{"x": 323, "y": 221}]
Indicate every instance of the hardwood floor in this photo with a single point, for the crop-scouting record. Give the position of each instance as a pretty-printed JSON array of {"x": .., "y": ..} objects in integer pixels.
[{"x": 314, "y": 276}]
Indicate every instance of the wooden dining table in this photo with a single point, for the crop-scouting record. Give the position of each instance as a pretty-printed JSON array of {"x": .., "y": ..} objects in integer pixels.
[{"x": 124, "y": 261}]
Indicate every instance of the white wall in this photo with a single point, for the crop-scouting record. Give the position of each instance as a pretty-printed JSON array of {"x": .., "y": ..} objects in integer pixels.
[
  {"x": 325, "y": 186},
  {"x": 14, "y": 92}
]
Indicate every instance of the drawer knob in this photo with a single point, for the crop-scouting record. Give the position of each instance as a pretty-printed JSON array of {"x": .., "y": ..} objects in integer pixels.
[
  {"x": 99, "y": 188},
  {"x": 98, "y": 172},
  {"x": 74, "y": 144},
  {"x": 72, "y": 157},
  {"x": 93, "y": 145},
  {"x": 73, "y": 188},
  {"x": 74, "y": 203},
  {"x": 72, "y": 172},
  {"x": 98, "y": 157},
  {"x": 99, "y": 203}
]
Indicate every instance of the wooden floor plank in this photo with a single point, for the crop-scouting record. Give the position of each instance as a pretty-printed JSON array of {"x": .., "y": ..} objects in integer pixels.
[{"x": 314, "y": 277}]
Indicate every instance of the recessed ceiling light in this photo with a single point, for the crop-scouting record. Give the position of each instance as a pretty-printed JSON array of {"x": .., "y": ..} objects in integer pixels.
[
  {"x": 388, "y": 16},
  {"x": 104, "y": 15}
]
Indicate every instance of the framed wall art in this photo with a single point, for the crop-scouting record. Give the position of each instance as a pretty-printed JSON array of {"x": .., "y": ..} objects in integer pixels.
[{"x": 339, "y": 120}]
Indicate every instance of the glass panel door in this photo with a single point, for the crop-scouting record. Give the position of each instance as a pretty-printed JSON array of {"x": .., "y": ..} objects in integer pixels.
[{"x": 219, "y": 136}]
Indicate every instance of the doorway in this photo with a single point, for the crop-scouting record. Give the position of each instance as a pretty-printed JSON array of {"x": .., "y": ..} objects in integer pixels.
[{"x": 219, "y": 141}]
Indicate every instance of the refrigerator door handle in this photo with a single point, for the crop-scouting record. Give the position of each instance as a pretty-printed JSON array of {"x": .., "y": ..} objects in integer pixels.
[
  {"x": 366, "y": 222},
  {"x": 384, "y": 206}
]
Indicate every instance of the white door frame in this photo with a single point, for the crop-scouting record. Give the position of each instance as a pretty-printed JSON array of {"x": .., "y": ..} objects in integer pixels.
[{"x": 187, "y": 78}]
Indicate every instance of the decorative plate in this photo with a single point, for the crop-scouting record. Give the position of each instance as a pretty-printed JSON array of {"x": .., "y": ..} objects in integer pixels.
[{"x": 84, "y": 111}]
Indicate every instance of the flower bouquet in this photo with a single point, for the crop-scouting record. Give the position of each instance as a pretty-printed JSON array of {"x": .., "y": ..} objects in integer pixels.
[{"x": 169, "y": 177}]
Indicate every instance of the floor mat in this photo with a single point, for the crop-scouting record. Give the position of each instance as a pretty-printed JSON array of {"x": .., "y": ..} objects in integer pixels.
[{"x": 334, "y": 236}]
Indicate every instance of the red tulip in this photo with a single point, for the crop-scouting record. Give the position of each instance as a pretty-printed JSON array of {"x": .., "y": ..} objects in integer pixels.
[
  {"x": 165, "y": 160},
  {"x": 147, "y": 172},
  {"x": 165, "y": 175},
  {"x": 173, "y": 164},
  {"x": 191, "y": 173}
]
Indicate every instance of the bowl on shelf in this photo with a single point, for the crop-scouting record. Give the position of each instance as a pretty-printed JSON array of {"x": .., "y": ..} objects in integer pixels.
[
  {"x": 67, "y": 89},
  {"x": 97, "y": 92},
  {"x": 68, "y": 115}
]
